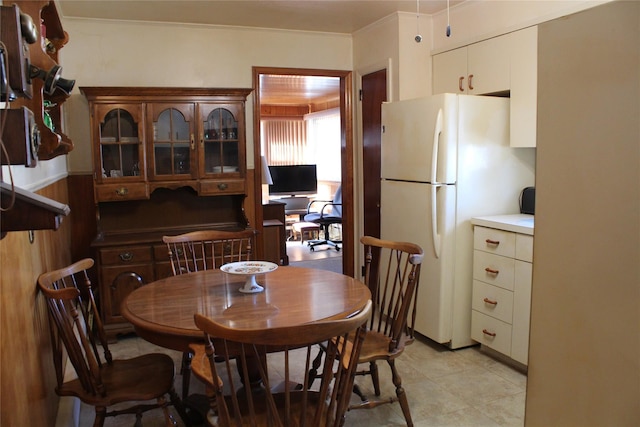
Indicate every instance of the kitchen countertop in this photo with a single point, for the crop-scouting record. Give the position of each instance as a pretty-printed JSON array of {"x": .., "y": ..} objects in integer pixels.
[{"x": 518, "y": 223}]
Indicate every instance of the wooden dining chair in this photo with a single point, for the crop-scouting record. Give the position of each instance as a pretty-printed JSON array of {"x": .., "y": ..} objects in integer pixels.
[
  {"x": 280, "y": 357},
  {"x": 392, "y": 273},
  {"x": 204, "y": 250},
  {"x": 76, "y": 328}
]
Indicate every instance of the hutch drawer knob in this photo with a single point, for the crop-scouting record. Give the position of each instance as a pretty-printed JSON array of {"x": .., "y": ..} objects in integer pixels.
[
  {"x": 126, "y": 256},
  {"x": 222, "y": 186},
  {"x": 122, "y": 191}
]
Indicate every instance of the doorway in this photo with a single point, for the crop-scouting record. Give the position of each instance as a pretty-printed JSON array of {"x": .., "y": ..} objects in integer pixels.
[{"x": 344, "y": 104}]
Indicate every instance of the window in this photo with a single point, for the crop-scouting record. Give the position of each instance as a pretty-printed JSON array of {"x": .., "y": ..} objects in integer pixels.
[{"x": 323, "y": 140}]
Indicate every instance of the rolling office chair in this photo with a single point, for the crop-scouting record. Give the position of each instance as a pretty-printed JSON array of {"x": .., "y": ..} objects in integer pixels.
[{"x": 330, "y": 213}]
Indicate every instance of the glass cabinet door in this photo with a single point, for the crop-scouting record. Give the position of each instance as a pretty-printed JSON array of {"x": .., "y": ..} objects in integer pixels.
[
  {"x": 173, "y": 145},
  {"x": 120, "y": 142},
  {"x": 222, "y": 142}
]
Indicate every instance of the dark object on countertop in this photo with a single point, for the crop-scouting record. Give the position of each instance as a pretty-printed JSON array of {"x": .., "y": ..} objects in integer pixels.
[{"x": 528, "y": 201}]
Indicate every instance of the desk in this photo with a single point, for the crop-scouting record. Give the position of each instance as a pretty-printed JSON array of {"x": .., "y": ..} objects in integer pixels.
[{"x": 162, "y": 312}]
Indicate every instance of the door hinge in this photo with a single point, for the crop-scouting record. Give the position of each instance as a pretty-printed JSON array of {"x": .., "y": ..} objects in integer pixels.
[
  {"x": 383, "y": 129},
  {"x": 363, "y": 271},
  {"x": 360, "y": 94}
]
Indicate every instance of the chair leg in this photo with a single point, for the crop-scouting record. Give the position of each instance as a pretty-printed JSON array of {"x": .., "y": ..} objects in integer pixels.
[
  {"x": 402, "y": 396},
  {"x": 101, "y": 413},
  {"x": 185, "y": 371},
  {"x": 168, "y": 418},
  {"x": 177, "y": 403},
  {"x": 375, "y": 378}
]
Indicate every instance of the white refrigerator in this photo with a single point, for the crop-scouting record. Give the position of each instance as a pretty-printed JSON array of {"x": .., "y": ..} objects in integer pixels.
[{"x": 446, "y": 159}]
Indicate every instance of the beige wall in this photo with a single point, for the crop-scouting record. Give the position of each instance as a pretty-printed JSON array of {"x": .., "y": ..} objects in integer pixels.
[
  {"x": 108, "y": 53},
  {"x": 584, "y": 360}
]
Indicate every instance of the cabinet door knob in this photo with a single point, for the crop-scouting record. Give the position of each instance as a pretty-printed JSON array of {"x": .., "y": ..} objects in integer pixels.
[
  {"x": 491, "y": 271},
  {"x": 491, "y": 334},
  {"x": 122, "y": 191},
  {"x": 470, "y": 81},
  {"x": 126, "y": 256},
  {"x": 222, "y": 186},
  {"x": 460, "y": 84}
]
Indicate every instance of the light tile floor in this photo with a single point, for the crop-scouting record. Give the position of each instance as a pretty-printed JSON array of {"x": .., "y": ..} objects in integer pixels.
[
  {"x": 458, "y": 388},
  {"x": 445, "y": 388}
]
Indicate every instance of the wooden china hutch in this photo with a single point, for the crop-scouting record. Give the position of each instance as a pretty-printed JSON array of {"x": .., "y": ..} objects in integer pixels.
[{"x": 166, "y": 161}]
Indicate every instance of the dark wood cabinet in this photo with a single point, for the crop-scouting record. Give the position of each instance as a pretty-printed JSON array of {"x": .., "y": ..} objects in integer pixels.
[
  {"x": 166, "y": 161},
  {"x": 275, "y": 239}
]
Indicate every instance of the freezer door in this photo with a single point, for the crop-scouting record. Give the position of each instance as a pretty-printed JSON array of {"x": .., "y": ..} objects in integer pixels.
[
  {"x": 419, "y": 139},
  {"x": 406, "y": 215}
]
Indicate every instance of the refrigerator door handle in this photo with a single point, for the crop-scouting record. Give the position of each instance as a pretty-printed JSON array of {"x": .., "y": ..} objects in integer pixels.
[
  {"x": 436, "y": 237},
  {"x": 436, "y": 143}
]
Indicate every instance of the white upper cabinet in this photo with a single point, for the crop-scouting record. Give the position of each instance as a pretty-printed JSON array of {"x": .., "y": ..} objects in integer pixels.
[
  {"x": 477, "y": 69},
  {"x": 500, "y": 65}
]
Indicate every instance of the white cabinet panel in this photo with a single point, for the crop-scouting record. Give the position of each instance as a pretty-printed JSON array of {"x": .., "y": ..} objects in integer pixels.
[
  {"x": 492, "y": 301},
  {"x": 450, "y": 72},
  {"x": 491, "y": 332},
  {"x": 524, "y": 247},
  {"x": 501, "y": 301},
  {"x": 488, "y": 66},
  {"x": 521, "y": 312},
  {"x": 494, "y": 241},
  {"x": 500, "y": 65},
  {"x": 493, "y": 269},
  {"x": 524, "y": 87}
]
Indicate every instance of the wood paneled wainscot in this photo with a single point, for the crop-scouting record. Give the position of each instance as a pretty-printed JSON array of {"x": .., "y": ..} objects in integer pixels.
[{"x": 502, "y": 267}]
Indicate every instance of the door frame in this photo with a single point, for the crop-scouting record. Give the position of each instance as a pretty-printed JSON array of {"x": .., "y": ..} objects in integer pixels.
[{"x": 346, "y": 151}]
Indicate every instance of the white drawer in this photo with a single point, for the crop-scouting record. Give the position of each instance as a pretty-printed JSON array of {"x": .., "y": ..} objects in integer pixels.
[
  {"x": 494, "y": 241},
  {"x": 524, "y": 247},
  {"x": 491, "y": 332},
  {"x": 493, "y": 301},
  {"x": 494, "y": 269}
]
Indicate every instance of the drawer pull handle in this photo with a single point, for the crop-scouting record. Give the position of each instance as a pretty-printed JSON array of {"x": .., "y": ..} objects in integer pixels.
[
  {"x": 491, "y": 271},
  {"x": 470, "y": 81},
  {"x": 491, "y": 334},
  {"x": 222, "y": 186},
  {"x": 460, "y": 84},
  {"x": 122, "y": 191},
  {"x": 488, "y": 301},
  {"x": 126, "y": 256},
  {"x": 492, "y": 242}
]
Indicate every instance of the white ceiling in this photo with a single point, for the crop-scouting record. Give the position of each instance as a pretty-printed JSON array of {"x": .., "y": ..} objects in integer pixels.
[{"x": 336, "y": 16}]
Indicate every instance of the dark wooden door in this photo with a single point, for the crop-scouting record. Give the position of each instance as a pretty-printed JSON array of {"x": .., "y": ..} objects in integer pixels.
[{"x": 374, "y": 93}]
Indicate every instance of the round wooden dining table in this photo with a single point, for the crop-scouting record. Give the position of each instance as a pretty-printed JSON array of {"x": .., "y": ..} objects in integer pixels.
[{"x": 162, "y": 312}]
